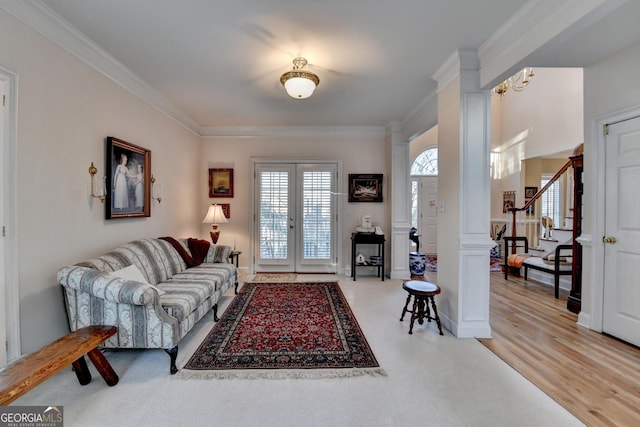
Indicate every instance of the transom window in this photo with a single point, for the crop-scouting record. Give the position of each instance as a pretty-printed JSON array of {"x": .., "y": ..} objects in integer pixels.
[{"x": 426, "y": 163}]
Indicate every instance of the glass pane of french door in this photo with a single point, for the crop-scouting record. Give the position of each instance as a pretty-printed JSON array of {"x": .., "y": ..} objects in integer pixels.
[
  {"x": 295, "y": 217},
  {"x": 318, "y": 219},
  {"x": 274, "y": 217}
]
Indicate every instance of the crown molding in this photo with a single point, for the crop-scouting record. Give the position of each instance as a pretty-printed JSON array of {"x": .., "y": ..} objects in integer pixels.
[
  {"x": 365, "y": 132},
  {"x": 448, "y": 71},
  {"x": 533, "y": 27},
  {"x": 422, "y": 118},
  {"x": 42, "y": 19}
]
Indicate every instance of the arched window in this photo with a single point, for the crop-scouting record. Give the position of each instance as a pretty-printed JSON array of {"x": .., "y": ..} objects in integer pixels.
[{"x": 425, "y": 164}]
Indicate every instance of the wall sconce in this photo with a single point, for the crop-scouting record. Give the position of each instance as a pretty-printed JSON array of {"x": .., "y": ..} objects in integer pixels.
[
  {"x": 156, "y": 190},
  {"x": 101, "y": 193}
]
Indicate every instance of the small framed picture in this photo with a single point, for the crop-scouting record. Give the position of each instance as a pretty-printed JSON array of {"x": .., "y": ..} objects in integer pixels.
[
  {"x": 508, "y": 200},
  {"x": 128, "y": 186},
  {"x": 365, "y": 187},
  {"x": 220, "y": 182},
  {"x": 531, "y": 210},
  {"x": 529, "y": 192},
  {"x": 226, "y": 209}
]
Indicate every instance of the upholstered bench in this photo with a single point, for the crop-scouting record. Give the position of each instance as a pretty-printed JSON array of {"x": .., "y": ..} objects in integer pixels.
[{"x": 554, "y": 266}]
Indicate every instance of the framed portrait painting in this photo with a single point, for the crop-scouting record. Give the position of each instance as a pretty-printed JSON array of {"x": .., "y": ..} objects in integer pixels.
[
  {"x": 128, "y": 171},
  {"x": 220, "y": 182},
  {"x": 365, "y": 187}
]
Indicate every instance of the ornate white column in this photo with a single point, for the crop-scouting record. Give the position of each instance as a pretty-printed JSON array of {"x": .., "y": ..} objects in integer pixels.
[
  {"x": 399, "y": 202},
  {"x": 465, "y": 193}
]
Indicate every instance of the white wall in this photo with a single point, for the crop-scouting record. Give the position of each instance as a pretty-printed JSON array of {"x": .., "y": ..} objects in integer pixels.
[
  {"x": 65, "y": 112},
  {"x": 358, "y": 156},
  {"x": 545, "y": 118},
  {"x": 449, "y": 193},
  {"x": 422, "y": 142}
]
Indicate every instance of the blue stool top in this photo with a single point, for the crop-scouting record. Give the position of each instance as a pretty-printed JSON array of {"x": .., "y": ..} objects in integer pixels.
[{"x": 421, "y": 286}]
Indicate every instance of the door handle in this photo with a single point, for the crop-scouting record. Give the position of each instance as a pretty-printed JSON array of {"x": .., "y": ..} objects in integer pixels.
[{"x": 610, "y": 240}]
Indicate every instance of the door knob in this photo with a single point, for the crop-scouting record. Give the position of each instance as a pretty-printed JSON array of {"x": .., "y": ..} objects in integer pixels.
[{"x": 611, "y": 240}]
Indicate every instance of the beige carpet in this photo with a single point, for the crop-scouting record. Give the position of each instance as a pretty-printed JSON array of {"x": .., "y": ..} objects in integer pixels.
[{"x": 455, "y": 382}]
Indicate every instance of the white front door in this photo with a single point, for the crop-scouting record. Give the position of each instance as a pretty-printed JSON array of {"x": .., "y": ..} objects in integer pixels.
[
  {"x": 429, "y": 215},
  {"x": 621, "y": 305},
  {"x": 296, "y": 220}
]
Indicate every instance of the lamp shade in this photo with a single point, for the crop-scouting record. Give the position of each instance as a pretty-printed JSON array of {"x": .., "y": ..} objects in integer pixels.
[{"x": 215, "y": 215}]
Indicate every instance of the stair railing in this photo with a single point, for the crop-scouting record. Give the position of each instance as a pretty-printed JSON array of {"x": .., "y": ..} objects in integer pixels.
[{"x": 526, "y": 221}]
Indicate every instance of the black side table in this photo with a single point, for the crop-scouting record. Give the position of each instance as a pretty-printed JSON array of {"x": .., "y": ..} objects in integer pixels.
[
  {"x": 234, "y": 257},
  {"x": 367, "y": 239}
]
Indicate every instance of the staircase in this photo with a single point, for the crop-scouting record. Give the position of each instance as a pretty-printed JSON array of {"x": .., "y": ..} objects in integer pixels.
[{"x": 541, "y": 231}]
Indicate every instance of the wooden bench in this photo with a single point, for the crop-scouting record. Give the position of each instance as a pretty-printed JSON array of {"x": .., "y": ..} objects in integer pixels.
[
  {"x": 22, "y": 375},
  {"x": 537, "y": 263}
]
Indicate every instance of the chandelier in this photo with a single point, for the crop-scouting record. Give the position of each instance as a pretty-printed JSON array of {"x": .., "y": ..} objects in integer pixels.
[
  {"x": 517, "y": 82},
  {"x": 299, "y": 83}
]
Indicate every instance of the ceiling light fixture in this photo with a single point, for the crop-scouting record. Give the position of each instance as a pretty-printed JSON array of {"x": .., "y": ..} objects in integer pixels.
[
  {"x": 517, "y": 82},
  {"x": 299, "y": 83}
]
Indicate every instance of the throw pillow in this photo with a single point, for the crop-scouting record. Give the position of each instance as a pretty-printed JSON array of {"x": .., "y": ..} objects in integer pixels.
[
  {"x": 132, "y": 272},
  {"x": 219, "y": 253}
]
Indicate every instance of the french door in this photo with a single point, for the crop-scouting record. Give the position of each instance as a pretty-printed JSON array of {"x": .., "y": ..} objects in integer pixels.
[
  {"x": 296, "y": 218},
  {"x": 424, "y": 193}
]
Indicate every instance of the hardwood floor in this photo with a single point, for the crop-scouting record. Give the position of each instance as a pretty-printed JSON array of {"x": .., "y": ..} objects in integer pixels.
[{"x": 592, "y": 375}]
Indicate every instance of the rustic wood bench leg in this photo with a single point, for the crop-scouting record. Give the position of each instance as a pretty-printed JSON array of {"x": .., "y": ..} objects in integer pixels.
[
  {"x": 82, "y": 371},
  {"x": 103, "y": 367}
]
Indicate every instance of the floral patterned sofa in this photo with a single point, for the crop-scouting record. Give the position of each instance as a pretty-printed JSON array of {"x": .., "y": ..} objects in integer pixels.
[{"x": 147, "y": 290}]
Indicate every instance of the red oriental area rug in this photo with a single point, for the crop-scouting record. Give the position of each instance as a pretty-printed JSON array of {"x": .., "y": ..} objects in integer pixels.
[{"x": 285, "y": 330}]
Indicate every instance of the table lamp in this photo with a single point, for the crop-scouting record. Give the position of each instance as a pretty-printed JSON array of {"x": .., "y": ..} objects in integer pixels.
[{"x": 215, "y": 216}]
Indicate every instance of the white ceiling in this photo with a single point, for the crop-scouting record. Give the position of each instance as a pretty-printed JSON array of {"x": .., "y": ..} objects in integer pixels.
[{"x": 220, "y": 61}]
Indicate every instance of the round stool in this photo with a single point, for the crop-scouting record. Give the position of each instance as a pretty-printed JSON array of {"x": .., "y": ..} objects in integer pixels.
[{"x": 422, "y": 292}]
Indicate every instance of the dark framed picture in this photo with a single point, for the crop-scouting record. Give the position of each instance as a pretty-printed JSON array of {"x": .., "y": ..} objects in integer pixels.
[
  {"x": 365, "y": 187},
  {"x": 529, "y": 192},
  {"x": 531, "y": 210},
  {"x": 127, "y": 175},
  {"x": 220, "y": 182},
  {"x": 226, "y": 209}
]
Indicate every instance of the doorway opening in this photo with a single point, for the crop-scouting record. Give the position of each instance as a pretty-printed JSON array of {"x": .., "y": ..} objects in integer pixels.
[{"x": 424, "y": 199}]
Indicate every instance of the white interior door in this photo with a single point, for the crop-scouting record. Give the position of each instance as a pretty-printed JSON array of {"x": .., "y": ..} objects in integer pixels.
[
  {"x": 9, "y": 293},
  {"x": 3, "y": 299},
  {"x": 429, "y": 215},
  {"x": 621, "y": 304},
  {"x": 296, "y": 217}
]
